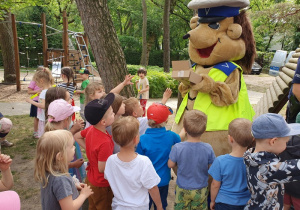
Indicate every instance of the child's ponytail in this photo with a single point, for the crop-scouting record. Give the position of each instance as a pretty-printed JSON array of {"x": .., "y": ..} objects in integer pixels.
[{"x": 68, "y": 72}]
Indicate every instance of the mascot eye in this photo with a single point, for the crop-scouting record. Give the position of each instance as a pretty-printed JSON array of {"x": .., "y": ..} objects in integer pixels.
[{"x": 214, "y": 25}]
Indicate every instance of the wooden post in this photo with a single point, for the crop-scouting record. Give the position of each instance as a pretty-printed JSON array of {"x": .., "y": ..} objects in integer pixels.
[
  {"x": 45, "y": 41},
  {"x": 16, "y": 47},
  {"x": 65, "y": 40}
]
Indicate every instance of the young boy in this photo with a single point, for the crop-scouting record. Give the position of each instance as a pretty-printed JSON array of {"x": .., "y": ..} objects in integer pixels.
[
  {"x": 5, "y": 126},
  {"x": 266, "y": 174},
  {"x": 99, "y": 146},
  {"x": 142, "y": 85},
  {"x": 135, "y": 109},
  {"x": 130, "y": 175},
  {"x": 85, "y": 76},
  {"x": 229, "y": 186},
  {"x": 156, "y": 144},
  {"x": 193, "y": 159}
]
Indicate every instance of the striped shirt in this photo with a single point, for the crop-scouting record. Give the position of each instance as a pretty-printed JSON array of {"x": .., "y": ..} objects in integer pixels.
[{"x": 69, "y": 88}]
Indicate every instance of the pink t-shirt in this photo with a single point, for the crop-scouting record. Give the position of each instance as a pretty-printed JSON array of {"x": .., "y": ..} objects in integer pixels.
[{"x": 34, "y": 87}]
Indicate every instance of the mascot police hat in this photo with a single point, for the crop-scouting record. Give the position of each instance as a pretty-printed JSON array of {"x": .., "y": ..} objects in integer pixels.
[{"x": 216, "y": 10}]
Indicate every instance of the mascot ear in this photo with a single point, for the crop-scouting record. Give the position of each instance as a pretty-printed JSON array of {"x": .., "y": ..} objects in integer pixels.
[
  {"x": 234, "y": 31},
  {"x": 194, "y": 22}
]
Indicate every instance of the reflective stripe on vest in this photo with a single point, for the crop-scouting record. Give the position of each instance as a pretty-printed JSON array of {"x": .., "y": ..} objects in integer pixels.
[{"x": 219, "y": 117}]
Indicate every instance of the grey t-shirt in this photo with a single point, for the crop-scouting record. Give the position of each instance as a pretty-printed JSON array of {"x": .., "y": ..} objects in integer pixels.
[{"x": 58, "y": 188}]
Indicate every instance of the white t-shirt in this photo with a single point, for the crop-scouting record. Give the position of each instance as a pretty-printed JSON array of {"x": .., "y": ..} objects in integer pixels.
[
  {"x": 130, "y": 182},
  {"x": 41, "y": 112},
  {"x": 143, "y": 125},
  {"x": 142, "y": 84}
]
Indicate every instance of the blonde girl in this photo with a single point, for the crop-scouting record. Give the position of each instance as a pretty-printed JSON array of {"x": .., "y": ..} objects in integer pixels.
[
  {"x": 55, "y": 149},
  {"x": 59, "y": 117},
  {"x": 44, "y": 80}
]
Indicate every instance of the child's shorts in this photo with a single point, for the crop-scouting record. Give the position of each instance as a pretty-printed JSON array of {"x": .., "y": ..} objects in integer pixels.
[
  {"x": 290, "y": 200},
  {"x": 191, "y": 199},
  {"x": 33, "y": 110}
]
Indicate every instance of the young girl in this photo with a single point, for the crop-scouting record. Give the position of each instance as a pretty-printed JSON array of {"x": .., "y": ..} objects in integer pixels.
[
  {"x": 44, "y": 80},
  {"x": 34, "y": 89},
  {"x": 142, "y": 85},
  {"x": 59, "y": 117},
  {"x": 55, "y": 149},
  {"x": 8, "y": 199},
  {"x": 69, "y": 83}
]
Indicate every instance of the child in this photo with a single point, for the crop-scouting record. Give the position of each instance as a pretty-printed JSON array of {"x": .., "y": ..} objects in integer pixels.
[
  {"x": 85, "y": 76},
  {"x": 156, "y": 144},
  {"x": 266, "y": 174},
  {"x": 191, "y": 189},
  {"x": 135, "y": 109},
  {"x": 55, "y": 149},
  {"x": 68, "y": 83},
  {"x": 291, "y": 190},
  {"x": 59, "y": 117},
  {"x": 99, "y": 146},
  {"x": 142, "y": 85},
  {"x": 34, "y": 89},
  {"x": 229, "y": 186},
  {"x": 5, "y": 127},
  {"x": 8, "y": 199},
  {"x": 130, "y": 175},
  {"x": 44, "y": 80},
  {"x": 96, "y": 91},
  {"x": 55, "y": 93}
]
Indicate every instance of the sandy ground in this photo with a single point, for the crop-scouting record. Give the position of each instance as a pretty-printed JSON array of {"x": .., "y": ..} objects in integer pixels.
[{"x": 9, "y": 94}]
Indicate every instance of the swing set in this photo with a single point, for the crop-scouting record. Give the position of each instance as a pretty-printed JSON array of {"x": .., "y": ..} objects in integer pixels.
[{"x": 57, "y": 58}]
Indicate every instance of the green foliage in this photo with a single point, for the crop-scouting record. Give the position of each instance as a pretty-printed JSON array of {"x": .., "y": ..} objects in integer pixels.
[
  {"x": 264, "y": 59},
  {"x": 158, "y": 81}
]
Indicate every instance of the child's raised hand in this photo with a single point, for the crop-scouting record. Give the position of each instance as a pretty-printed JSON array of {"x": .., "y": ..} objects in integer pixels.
[
  {"x": 86, "y": 190},
  {"x": 167, "y": 93},
  {"x": 77, "y": 126},
  {"x": 77, "y": 163},
  {"x": 127, "y": 80},
  {"x": 5, "y": 162}
]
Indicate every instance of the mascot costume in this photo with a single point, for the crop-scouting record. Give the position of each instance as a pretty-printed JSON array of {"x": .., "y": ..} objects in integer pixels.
[{"x": 222, "y": 45}]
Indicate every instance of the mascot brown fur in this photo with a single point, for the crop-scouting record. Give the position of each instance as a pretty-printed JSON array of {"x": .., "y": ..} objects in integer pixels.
[{"x": 212, "y": 43}]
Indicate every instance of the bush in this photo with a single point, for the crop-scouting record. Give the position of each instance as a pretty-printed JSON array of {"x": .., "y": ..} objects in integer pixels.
[
  {"x": 158, "y": 81},
  {"x": 264, "y": 59}
]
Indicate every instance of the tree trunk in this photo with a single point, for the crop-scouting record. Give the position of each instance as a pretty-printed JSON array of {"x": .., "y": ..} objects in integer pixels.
[
  {"x": 144, "y": 60},
  {"x": 104, "y": 42},
  {"x": 7, "y": 50},
  {"x": 166, "y": 36}
]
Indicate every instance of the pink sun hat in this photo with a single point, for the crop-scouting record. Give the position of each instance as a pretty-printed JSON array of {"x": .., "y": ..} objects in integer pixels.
[{"x": 60, "y": 109}]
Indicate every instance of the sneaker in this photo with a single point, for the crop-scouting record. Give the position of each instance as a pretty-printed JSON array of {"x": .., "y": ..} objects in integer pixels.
[
  {"x": 6, "y": 143},
  {"x": 35, "y": 135}
]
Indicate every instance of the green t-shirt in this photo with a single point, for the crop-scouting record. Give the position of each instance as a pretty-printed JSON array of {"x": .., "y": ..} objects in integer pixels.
[{"x": 83, "y": 86}]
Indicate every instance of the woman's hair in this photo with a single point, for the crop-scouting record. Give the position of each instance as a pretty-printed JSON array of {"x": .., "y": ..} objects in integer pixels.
[
  {"x": 68, "y": 72},
  {"x": 44, "y": 74},
  {"x": 142, "y": 70},
  {"x": 91, "y": 89},
  {"x": 51, "y": 145},
  {"x": 117, "y": 103},
  {"x": 53, "y": 94}
]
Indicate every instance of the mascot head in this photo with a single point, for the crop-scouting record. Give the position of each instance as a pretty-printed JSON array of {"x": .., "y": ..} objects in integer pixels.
[{"x": 221, "y": 33}]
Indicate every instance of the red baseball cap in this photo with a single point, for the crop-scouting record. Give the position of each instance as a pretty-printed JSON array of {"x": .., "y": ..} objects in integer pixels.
[{"x": 159, "y": 113}]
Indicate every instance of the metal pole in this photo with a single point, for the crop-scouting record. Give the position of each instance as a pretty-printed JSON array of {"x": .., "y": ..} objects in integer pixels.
[{"x": 16, "y": 48}]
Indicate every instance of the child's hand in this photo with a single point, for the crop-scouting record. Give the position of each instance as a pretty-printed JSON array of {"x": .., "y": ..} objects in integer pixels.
[
  {"x": 212, "y": 205},
  {"x": 86, "y": 190},
  {"x": 79, "y": 186},
  {"x": 28, "y": 100},
  {"x": 127, "y": 80},
  {"x": 167, "y": 94},
  {"x": 77, "y": 126},
  {"x": 77, "y": 163},
  {"x": 5, "y": 162}
]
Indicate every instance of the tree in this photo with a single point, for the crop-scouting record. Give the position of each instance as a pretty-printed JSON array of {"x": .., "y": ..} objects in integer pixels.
[
  {"x": 144, "y": 60},
  {"x": 166, "y": 36},
  {"x": 104, "y": 42}
]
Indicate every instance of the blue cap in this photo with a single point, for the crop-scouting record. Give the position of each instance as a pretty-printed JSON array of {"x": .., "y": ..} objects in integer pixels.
[
  {"x": 223, "y": 11},
  {"x": 273, "y": 125}
]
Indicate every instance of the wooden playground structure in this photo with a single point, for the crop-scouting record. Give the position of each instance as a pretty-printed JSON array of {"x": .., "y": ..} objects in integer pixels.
[{"x": 75, "y": 58}]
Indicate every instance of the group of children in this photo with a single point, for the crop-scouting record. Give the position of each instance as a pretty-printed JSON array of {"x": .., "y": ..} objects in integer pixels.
[{"x": 130, "y": 156}]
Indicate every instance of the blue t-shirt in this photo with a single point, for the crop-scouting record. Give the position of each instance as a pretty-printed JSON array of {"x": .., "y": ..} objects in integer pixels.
[
  {"x": 231, "y": 172},
  {"x": 156, "y": 144},
  {"x": 296, "y": 78},
  {"x": 193, "y": 159}
]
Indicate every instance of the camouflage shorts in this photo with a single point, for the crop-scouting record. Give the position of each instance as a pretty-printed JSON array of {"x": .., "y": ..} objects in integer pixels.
[{"x": 191, "y": 199}]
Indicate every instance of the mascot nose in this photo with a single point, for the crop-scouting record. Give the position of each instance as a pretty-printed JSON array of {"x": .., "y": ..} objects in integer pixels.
[{"x": 186, "y": 36}]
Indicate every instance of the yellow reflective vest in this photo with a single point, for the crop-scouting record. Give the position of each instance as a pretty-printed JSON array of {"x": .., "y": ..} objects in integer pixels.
[{"x": 219, "y": 117}]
